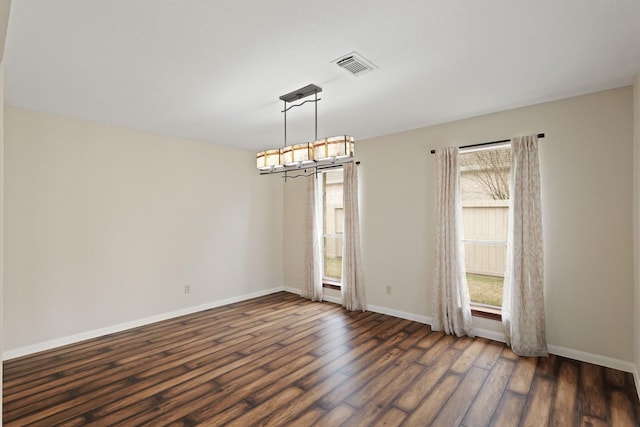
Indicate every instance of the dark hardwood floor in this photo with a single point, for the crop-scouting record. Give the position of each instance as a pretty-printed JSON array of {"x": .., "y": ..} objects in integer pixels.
[{"x": 282, "y": 360}]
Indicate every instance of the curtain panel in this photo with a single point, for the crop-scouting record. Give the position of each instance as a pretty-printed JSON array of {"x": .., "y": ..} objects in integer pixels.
[
  {"x": 451, "y": 307},
  {"x": 314, "y": 261},
  {"x": 353, "y": 293},
  {"x": 523, "y": 295}
]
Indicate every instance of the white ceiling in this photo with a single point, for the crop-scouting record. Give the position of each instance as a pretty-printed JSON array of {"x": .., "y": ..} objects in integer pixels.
[{"x": 213, "y": 70}]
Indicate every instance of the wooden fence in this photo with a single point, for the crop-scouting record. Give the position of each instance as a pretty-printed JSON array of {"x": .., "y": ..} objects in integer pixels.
[{"x": 485, "y": 231}]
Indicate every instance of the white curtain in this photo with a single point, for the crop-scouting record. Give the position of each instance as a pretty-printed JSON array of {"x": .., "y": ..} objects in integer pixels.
[
  {"x": 452, "y": 312},
  {"x": 314, "y": 261},
  {"x": 353, "y": 294},
  {"x": 523, "y": 297}
]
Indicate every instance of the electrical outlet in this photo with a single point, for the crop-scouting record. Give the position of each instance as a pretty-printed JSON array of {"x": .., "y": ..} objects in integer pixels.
[
  {"x": 187, "y": 289},
  {"x": 388, "y": 290}
]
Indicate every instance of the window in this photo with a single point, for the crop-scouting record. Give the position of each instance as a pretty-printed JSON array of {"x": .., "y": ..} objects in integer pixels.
[
  {"x": 333, "y": 224},
  {"x": 484, "y": 184}
]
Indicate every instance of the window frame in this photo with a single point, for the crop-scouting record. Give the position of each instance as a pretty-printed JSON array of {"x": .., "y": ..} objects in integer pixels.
[
  {"x": 486, "y": 312},
  {"x": 479, "y": 309},
  {"x": 330, "y": 282}
]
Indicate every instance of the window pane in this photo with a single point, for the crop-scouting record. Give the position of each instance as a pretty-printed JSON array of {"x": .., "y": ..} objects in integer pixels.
[
  {"x": 484, "y": 185},
  {"x": 484, "y": 264},
  {"x": 485, "y": 174},
  {"x": 486, "y": 259},
  {"x": 333, "y": 257},
  {"x": 333, "y": 223}
]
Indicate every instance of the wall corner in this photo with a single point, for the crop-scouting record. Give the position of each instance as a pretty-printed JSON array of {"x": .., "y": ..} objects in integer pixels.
[{"x": 636, "y": 227}]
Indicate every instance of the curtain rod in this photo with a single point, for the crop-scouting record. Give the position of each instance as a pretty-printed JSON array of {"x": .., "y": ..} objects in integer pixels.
[{"x": 540, "y": 135}]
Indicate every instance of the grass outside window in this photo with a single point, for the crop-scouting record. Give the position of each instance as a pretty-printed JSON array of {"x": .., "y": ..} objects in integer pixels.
[
  {"x": 486, "y": 290},
  {"x": 333, "y": 268}
]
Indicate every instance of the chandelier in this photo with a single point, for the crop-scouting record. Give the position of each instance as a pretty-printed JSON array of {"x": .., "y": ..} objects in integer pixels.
[{"x": 317, "y": 154}]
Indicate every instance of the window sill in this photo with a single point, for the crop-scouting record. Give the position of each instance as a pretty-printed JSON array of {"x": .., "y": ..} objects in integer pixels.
[
  {"x": 486, "y": 312},
  {"x": 331, "y": 284}
]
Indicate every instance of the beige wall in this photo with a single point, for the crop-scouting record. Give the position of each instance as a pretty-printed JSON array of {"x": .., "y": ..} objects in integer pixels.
[
  {"x": 105, "y": 225},
  {"x": 5, "y": 6},
  {"x": 586, "y": 162},
  {"x": 636, "y": 221},
  {"x": 1, "y": 223}
]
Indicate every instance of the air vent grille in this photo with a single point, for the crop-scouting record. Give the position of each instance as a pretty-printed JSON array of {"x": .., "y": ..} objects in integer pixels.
[{"x": 355, "y": 63}]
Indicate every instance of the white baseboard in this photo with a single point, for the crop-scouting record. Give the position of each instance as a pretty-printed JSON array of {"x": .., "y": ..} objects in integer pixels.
[
  {"x": 292, "y": 290},
  {"x": 490, "y": 335},
  {"x": 327, "y": 298},
  {"x": 401, "y": 314},
  {"x": 71, "y": 339},
  {"x": 596, "y": 359}
]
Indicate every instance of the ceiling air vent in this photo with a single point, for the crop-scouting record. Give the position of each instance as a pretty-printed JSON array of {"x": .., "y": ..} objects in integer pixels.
[{"x": 355, "y": 63}]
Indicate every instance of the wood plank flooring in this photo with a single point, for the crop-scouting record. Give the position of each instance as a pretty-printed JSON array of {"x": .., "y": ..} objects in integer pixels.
[{"x": 282, "y": 360}]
